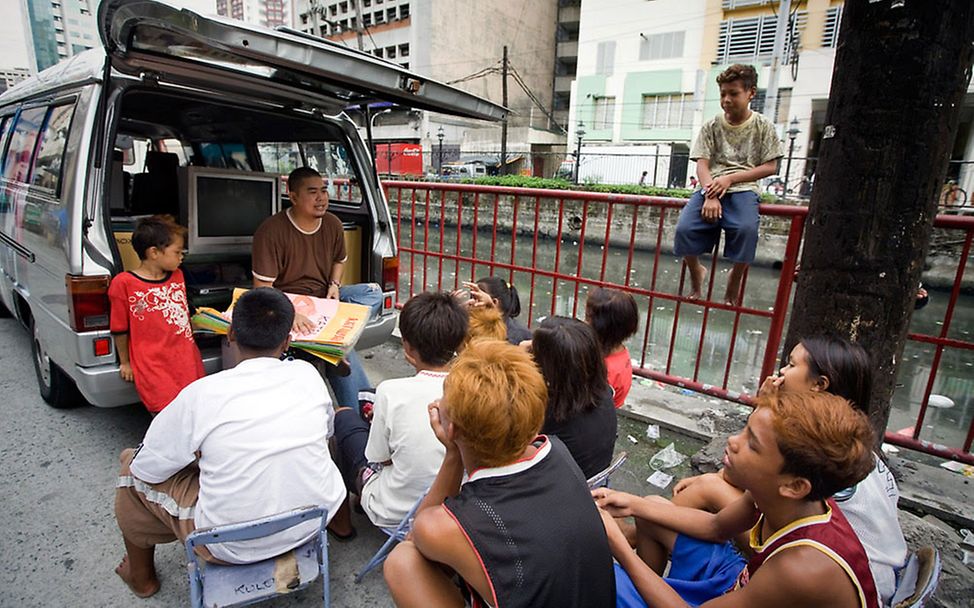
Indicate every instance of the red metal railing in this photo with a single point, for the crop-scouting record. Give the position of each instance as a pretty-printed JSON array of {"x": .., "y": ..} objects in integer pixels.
[{"x": 442, "y": 225}]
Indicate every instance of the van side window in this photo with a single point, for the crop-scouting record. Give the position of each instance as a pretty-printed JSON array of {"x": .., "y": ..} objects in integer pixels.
[
  {"x": 225, "y": 156},
  {"x": 50, "y": 151},
  {"x": 28, "y": 125},
  {"x": 5, "y": 124},
  {"x": 279, "y": 158},
  {"x": 332, "y": 160}
]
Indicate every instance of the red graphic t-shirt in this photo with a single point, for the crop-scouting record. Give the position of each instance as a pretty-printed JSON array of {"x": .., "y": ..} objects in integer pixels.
[
  {"x": 162, "y": 352},
  {"x": 618, "y": 366}
]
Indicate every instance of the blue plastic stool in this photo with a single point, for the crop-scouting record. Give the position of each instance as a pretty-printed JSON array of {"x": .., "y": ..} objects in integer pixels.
[{"x": 217, "y": 585}]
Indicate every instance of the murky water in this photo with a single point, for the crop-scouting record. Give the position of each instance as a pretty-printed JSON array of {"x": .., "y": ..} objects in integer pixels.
[{"x": 955, "y": 379}]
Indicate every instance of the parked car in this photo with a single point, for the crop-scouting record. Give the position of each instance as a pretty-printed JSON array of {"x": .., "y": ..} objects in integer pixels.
[{"x": 195, "y": 116}]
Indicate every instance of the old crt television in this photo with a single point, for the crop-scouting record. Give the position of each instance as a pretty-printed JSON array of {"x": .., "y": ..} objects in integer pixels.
[{"x": 225, "y": 207}]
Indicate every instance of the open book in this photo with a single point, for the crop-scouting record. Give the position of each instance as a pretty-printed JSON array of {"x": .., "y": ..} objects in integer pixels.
[{"x": 338, "y": 325}]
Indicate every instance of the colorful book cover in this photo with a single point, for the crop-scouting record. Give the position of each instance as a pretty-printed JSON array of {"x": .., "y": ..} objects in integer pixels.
[{"x": 338, "y": 325}]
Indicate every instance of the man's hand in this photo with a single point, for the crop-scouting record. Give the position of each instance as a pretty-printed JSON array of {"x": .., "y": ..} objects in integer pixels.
[
  {"x": 436, "y": 423},
  {"x": 711, "y": 211},
  {"x": 333, "y": 291},
  {"x": 302, "y": 325},
  {"x": 125, "y": 371},
  {"x": 718, "y": 187}
]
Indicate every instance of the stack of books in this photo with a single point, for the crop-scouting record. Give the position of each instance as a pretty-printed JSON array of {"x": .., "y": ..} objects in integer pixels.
[{"x": 338, "y": 325}]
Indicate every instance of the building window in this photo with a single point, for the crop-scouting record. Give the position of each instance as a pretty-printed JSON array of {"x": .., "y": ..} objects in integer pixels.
[
  {"x": 752, "y": 39},
  {"x": 366, "y": 3},
  {"x": 668, "y": 111},
  {"x": 661, "y": 46},
  {"x": 333, "y": 9},
  {"x": 404, "y": 11},
  {"x": 604, "y": 111},
  {"x": 380, "y": 17},
  {"x": 390, "y": 52},
  {"x": 782, "y": 107},
  {"x": 366, "y": 20},
  {"x": 605, "y": 58},
  {"x": 405, "y": 66},
  {"x": 343, "y": 7},
  {"x": 404, "y": 50},
  {"x": 390, "y": 14},
  {"x": 732, "y": 4},
  {"x": 378, "y": 52},
  {"x": 830, "y": 34}
]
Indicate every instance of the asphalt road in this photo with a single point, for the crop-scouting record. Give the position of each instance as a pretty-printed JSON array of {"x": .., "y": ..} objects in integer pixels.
[{"x": 59, "y": 469}]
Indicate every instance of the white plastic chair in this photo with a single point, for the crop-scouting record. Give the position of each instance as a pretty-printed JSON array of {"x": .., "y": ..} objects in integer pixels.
[{"x": 216, "y": 585}]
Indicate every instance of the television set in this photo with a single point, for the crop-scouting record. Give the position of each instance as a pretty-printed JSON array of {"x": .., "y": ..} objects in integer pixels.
[{"x": 225, "y": 207}]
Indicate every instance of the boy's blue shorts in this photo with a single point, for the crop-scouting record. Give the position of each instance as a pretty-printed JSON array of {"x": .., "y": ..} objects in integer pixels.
[
  {"x": 699, "y": 572},
  {"x": 739, "y": 219}
]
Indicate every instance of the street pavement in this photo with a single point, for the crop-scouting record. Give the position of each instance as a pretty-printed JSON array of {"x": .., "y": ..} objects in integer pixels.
[{"x": 62, "y": 545}]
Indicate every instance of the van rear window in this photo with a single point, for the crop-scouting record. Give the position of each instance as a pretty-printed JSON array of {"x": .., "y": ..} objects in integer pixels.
[
  {"x": 54, "y": 138},
  {"x": 16, "y": 165}
]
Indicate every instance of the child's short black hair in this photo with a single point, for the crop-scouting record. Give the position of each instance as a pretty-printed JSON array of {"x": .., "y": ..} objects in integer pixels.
[
  {"x": 613, "y": 315},
  {"x": 296, "y": 177},
  {"x": 746, "y": 74},
  {"x": 158, "y": 231},
  {"x": 505, "y": 293},
  {"x": 434, "y": 324},
  {"x": 262, "y": 319}
]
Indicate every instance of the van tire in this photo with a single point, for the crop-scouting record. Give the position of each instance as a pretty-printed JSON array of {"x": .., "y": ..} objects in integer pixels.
[{"x": 55, "y": 387}]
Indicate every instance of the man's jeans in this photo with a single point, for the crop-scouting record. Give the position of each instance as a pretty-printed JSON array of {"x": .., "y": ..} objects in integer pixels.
[
  {"x": 366, "y": 294},
  {"x": 346, "y": 388}
]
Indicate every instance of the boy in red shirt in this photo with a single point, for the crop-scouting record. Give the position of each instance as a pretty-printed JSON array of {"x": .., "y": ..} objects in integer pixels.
[
  {"x": 150, "y": 316},
  {"x": 614, "y": 317}
]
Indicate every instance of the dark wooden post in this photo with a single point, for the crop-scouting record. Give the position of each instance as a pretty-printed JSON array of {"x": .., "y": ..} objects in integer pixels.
[{"x": 901, "y": 72}]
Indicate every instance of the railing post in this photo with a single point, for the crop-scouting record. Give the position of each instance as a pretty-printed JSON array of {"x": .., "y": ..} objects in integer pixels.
[{"x": 785, "y": 282}]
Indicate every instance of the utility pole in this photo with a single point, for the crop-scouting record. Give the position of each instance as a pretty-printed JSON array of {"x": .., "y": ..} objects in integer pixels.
[
  {"x": 313, "y": 8},
  {"x": 503, "y": 170},
  {"x": 886, "y": 145},
  {"x": 771, "y": 95},
  {"x": 360, "y": 27}
]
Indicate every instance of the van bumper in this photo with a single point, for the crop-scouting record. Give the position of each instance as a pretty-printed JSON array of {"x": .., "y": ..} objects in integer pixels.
[
  {"x": 103, "y": 387},
  {"x": 377, "y": 332}
]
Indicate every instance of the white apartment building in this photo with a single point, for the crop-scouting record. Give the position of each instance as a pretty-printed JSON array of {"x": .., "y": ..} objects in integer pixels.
[
  {"x": 646, "y": 77},
  {"x": 268, "y": 13},
  {"x": 59, "y": 29},
  {"x": 11, "y": 76}
]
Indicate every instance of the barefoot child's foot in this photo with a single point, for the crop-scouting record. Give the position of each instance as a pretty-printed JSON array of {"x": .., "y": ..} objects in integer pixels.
[
  {"x": 141, "y": 588},
  {"x": 697, "y": 275}
]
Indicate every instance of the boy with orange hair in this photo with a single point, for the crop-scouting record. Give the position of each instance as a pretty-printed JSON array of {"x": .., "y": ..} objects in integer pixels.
[
  {"x": 523, "y": 497},
  {"x": 796, "y": 451}
]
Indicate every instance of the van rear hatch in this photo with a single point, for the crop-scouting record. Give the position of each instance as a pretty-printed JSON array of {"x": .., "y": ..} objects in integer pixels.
[{"x": 136, "y": 33}]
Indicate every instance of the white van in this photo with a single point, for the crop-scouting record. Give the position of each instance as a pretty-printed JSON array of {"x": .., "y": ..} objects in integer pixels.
[{"x": 195, "y": 116}]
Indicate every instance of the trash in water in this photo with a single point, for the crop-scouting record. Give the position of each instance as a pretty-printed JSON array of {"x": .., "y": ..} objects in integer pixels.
[
  {"x": 666, "y": 458},
  {"x": 686, "y": 391},
  {"x": 660, "y": 479},
  {"x": 652, "y": 431},
  {"x": 632, "y": 439}
]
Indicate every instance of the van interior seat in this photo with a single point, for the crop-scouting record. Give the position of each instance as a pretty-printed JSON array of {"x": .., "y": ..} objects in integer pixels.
[
  {"x": 120, "y": 186},
  {"x": 157, "y": 190}
]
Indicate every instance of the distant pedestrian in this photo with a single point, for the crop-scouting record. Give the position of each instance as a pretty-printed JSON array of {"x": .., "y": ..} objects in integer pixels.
[
  {"x": 732, "y": 151},
  {"x": 642, "y": 178},
  {"x": 693, "y": 182},
  {"x": 150, "y": 317}
]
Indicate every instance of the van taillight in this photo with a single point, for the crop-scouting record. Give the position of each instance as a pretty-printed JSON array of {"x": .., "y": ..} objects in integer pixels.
[
  {"x": 88, "y": 302},
  {"x": 390, "y": 274}
]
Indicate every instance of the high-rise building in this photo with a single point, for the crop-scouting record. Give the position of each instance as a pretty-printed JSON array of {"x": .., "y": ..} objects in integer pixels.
[
  {"x": 269, "y": 13},
  {"x": 460, "y": 43},
  {"x": 11, "y": 76},
  {"x": 59, "y": 29}
]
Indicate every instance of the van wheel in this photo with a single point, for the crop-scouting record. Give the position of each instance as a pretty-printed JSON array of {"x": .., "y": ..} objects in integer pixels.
[{"x": 56, "y": 388}]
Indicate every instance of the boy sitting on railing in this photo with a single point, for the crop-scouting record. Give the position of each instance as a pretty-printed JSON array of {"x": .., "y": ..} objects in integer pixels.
[{"x": 732, "y": 151}]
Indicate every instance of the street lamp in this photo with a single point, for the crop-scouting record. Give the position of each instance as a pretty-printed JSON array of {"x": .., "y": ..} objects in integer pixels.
[
  {"x": 579, "y": 133},
  {"x": 793, "y": 132},
  {"x": 439, "y": 136}
]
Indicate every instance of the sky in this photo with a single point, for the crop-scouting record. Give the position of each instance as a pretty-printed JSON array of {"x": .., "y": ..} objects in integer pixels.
[{"x": 13, "y": 28}]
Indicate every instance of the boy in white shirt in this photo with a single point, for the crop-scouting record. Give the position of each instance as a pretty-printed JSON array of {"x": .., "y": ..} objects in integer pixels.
[
  {"x": 261, "y": 434},
  {"x": 392, "y": 463}
]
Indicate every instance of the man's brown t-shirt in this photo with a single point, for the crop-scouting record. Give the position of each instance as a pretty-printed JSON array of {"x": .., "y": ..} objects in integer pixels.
[{"x": 296, "y": 261}]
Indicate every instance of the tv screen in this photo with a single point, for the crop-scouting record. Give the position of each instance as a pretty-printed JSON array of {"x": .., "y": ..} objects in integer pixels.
[{"x": 232, "y": 206}]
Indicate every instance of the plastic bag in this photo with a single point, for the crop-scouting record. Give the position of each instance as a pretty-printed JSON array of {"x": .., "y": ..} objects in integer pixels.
[{"x": 666, "y": 458}]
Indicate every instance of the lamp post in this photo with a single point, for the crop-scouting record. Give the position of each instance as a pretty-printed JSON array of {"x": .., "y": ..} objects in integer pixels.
[
  {"x": 793, "y": 132},
  {"x": 439, "y": 136},
  {"x": 579, "y": 134}
]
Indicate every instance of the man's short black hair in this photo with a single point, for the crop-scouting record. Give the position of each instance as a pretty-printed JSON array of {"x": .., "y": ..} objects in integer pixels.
[
  {"x": 434, "y": 324},
  {"x": 158, "y": 231},
  {"x": 262, "y": 319},
  {"x": 300, "y": 174}
]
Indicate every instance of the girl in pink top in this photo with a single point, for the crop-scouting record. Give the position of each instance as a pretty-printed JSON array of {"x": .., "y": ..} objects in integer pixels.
[{"x": 614, "y": 317}]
